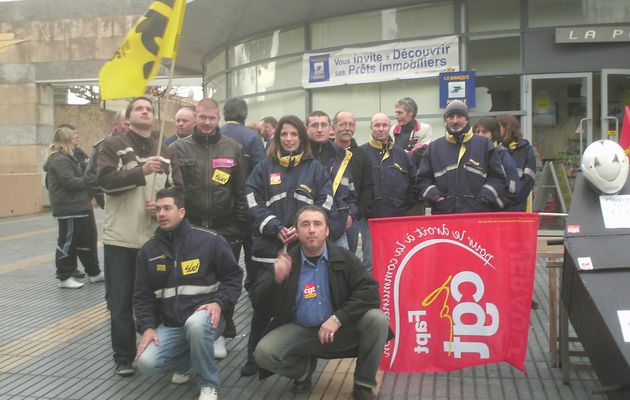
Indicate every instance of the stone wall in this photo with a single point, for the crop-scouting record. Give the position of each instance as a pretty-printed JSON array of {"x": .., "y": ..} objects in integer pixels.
[
  {"x": 92, "y": 122},
  {"x": 55, "y": 41}
]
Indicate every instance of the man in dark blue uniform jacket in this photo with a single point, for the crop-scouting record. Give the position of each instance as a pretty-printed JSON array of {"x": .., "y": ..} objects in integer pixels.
[
  {"x": 460, "y": 173},
  {"x": 185, "y": 278}
]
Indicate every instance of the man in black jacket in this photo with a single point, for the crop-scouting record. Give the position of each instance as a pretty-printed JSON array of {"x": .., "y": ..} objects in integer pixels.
[
  {"x": 324, "y": 304},
  {"x": 214, "y": 170},
  {"x": 344, "y": 125},
  {"x": 186, "y": 279}
]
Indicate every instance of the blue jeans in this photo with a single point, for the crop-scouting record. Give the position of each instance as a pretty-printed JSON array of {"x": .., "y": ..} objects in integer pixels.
[
  {"x": 120, "y": 272},
  {"x": 286, "y": 349},
  {"x": 183, "y": 348}
]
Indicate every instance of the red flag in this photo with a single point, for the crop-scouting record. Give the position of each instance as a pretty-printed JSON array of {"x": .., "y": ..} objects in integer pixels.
[
  {"x": 457, "y": 288},
  {"x": 624, "y": 136}
]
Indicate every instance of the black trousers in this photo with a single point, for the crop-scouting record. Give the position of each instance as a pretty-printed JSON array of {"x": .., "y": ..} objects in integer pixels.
[
  {"x": 77, "y": 237},
  {"x": 120, "y": 273}
]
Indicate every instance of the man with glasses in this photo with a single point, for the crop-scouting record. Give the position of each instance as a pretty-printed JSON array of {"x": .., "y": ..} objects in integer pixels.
[
  {"x": 336, "y": 161},
  {"x": 344, "y": 127}
]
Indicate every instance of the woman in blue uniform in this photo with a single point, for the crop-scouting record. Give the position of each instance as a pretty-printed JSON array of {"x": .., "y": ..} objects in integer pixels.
[
  {"x": 285, "y": 181},
  {"x": 524, "y": 158}
]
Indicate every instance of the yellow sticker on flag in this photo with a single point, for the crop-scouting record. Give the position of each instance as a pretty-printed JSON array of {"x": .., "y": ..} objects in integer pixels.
[
  {"x": 220, "y": 177},
  {"x": 190, "y": 267}
]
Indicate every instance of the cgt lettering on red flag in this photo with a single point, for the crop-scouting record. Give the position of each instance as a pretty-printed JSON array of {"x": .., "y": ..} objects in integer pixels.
[{"x": 457, "y": 289}]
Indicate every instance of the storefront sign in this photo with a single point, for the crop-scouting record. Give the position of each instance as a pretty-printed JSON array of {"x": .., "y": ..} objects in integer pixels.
[
  {"x": 457, "y": 86},
  {"x": 401, "y": 60},
  {"x": 593, "y": 34},
  {"x": 457, "y": 289}
]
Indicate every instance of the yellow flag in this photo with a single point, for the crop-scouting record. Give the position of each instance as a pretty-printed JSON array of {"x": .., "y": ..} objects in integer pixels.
[{"x": 136, "y": 61}]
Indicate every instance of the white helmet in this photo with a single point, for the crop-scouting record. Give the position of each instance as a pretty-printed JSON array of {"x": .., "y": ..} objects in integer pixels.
[{"x": 605, "y": 166}]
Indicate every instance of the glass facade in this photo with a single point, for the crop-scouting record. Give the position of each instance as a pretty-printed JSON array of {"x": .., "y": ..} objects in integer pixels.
[
  {"x": 270, "y": 66},
  {"x": 390, "y": 24},
  {"x": 267, "y": 69},
  {"x": 490, "y": 15}
]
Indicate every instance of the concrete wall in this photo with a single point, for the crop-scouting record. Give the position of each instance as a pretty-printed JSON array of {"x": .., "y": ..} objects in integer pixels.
[{"x": 65, "y": 40}]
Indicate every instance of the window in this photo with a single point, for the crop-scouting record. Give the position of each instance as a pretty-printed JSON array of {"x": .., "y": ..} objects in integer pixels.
[
  {"x": 493, "y": 15},
  {"x": 576, "y": 12},
  {"x": 408, "y": 22},
  {"x": 276, "y": 105},
  {"x": 496, "y": 53},
  {"x": 276, "y": 44}
]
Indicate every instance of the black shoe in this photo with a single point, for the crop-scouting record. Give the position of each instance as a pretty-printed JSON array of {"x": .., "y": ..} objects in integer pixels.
[
  {"x": 78, "y": 274},
  {"x": 125, "y": 369},
  {"x": 362, "y": 393},
  {"x": 250, "y": 368},
  {"x": 535, "y": 305},
  {"x": 305, "y": 385}
]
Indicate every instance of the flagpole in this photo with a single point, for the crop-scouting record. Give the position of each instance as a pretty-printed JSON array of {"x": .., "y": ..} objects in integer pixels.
[
  {"x": 163, "y": 120},
  {"x": 168, "y": 89}
]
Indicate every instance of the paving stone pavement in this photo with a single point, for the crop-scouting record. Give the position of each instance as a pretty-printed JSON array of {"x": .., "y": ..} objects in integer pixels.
[{"x": 45, "y": 353}]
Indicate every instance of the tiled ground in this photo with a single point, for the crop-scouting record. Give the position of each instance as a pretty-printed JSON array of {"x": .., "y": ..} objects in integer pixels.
[{"x": 72, "y": 359}]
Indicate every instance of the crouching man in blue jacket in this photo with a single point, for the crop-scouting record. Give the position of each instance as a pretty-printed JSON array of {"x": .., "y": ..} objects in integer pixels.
[{"x": 185, "y": 277}]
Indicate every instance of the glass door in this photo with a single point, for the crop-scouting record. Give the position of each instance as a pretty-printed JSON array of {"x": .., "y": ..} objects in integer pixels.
[
  {"x": 615, "y": 96},
  {"x": 559, "y": 125}
]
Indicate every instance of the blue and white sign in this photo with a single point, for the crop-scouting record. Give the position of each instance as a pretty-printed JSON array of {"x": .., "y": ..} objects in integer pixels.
[
  {"x": 319, "y": 68},
  {"x": 388, "y": 62},
  {"x": 457, "y": 86}
]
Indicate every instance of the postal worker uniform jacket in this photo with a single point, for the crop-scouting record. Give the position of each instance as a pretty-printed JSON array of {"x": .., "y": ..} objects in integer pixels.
[
  {"x": 393, "y": 173},
  {"x": 525, "y": 160},
  {"x": 467, "y": 175},
  {"x": 345, "y": 202},
  {"x": 360, "y": 167},
  {"x": 274, "y": 195},
  {"x": 178, "y": 271},
  {"x": 512, "y": 180}
]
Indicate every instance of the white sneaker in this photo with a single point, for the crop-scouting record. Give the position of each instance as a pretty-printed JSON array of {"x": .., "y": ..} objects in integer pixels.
[
  {"x": 180, "y": 379},
  {"x": 97, "y": 278},
  {"x": 70, "y": 283},
  {"x": 208, "y": 393},
  {"x": 220, "y": 351}
]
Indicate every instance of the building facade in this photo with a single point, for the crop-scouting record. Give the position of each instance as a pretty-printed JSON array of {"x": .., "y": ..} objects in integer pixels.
[{"x": 562, "y": 67}]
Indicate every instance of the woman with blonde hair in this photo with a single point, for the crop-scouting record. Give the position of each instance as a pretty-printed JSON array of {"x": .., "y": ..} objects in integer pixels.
[{"x": 71, "y": 207}]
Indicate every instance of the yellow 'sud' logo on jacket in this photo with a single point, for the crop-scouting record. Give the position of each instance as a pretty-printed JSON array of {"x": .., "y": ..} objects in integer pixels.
[
  {"x": 190, "y": 266},
  {"x": 220, "y": 177},
  {"x": 160, "y": 267}
]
